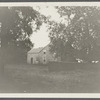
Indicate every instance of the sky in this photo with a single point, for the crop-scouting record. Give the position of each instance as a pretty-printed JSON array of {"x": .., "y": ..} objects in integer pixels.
[{"x": 40, "y": 38}]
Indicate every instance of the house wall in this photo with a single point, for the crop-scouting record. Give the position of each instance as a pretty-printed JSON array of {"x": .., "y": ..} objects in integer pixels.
[
  {"x": 47, "y": 56},
  {"x": 32, "y": 56}
]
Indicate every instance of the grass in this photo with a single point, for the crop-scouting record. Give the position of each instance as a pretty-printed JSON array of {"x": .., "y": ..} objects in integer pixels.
[{"x": 38, "y": 79}]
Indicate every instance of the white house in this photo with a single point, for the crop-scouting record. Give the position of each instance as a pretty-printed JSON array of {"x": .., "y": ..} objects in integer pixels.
[{"x": 40, "y": 55}]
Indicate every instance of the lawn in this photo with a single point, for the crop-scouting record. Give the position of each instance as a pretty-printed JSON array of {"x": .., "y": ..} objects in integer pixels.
[{"x": 39, "y": 79}]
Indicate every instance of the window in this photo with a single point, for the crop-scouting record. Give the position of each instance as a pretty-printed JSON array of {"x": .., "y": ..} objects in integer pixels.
[
  {"x": 44, "y": 52},
  {"x": 44, "y": 60}
]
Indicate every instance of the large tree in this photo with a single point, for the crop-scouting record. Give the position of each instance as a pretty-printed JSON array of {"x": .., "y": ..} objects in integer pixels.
[
  {"x": 81, "y": 32},
  {"x": 16, "y": 26}
]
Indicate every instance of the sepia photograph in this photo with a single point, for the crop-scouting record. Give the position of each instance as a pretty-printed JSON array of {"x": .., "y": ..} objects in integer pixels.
[{"x": 50, "y": 47}]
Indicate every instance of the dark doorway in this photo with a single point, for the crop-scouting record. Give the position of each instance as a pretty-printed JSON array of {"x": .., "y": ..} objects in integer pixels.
[
  {"x": 44, "y": 60},
  {"x": 31, "y": 60}
]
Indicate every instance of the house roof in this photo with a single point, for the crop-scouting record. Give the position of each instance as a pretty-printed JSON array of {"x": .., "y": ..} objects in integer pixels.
[{"x": 37, "y": 50}]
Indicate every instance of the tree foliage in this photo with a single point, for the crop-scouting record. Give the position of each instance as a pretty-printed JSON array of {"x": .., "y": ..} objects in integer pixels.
[
  {"x": 16, "y": 26},
  {"x": 79, "y": 37}
]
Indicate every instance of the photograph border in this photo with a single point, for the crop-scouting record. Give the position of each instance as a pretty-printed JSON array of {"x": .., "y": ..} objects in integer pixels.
[{"x": 43, "y": 96}]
